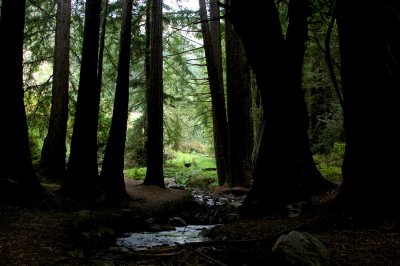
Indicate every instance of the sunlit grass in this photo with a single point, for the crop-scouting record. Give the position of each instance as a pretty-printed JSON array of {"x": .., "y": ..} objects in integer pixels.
[
  {"x": 195, "y": 160},
  {"x": 188, "y": 169},
  {"x": 330, "y": 165}
]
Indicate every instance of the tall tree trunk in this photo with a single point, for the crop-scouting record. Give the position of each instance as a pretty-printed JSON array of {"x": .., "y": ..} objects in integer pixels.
[
  {"x": 17, "y": 178},
  {"x": 155, "y": 171},
  {"x": 82, "y": 166},
  {"x": 369, "y": 48},
  {"x": 112, "y": 175},
  {"x": 54, "y": 147},
  {"x": 279, "y": 177},
  {"x": 240, "y": 126},
  {"x": 310, "y": 178},
  {"x": 142, "y": 152},
  {"x": 103, "y": 25},
  {"x": 220, "y": 126}
]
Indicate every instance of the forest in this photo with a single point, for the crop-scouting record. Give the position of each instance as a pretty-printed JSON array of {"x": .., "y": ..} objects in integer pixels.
[{"x": 269, "y": 125}]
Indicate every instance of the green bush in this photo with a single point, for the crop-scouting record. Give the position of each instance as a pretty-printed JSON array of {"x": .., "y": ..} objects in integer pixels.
[
  {"x": 196, "y": 178},
  {"x": 332, "y": 131},
  {"x": 330, "y": 165},
  {"x": 136, "y": 173},
  {"x": 193, "y": 147}
]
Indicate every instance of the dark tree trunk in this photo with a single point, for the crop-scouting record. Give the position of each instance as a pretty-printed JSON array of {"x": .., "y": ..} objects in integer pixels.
[
  {"x": 370, "y": 52},
  {"x": 54, "y": 147},
  {"x": 220, "y": 126},
  {"x": 310, "y": 179},
  {"x": 155, "y": 171},
  {"x": 142, "y": 152},
  {"x": 103, "y": 26},
  {"x": 112, "y": 175},
  {"x": 82, "y": 166},
  {"x": 279, "y": 174},
  {"x": 240, "y": 126},
  {"x": 17, "y": 178}
]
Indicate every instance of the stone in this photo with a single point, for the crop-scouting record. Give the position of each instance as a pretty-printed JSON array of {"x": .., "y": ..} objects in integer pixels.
[
  {"x": 177, "y": 222},
  {"x": 299, "y": 248}
]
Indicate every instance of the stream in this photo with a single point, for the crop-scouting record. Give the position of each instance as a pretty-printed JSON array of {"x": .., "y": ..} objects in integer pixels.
[
  {"x": 181, "y": 235},
  {"x": 215, "y": 211}
]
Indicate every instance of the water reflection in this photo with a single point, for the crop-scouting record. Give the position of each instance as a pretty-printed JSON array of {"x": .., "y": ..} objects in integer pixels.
[{"x": 181, "y": 235}]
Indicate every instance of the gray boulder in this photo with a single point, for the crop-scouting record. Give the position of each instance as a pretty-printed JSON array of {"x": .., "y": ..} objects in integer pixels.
[{"x": 299, "y": 248}]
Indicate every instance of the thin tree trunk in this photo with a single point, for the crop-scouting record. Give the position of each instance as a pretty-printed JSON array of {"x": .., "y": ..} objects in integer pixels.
[
  {"x": 112, "y": 174},
  {"x": 103, "y": 25},
  {"x": 155, "y": 171},
  {"x": 82, "y": 166},
  {"x": 220, "y": 126},
  {"x": 17, "y": 178},
  {"x": 328, "y": 56},
  {"x": 54, "y": 148}
]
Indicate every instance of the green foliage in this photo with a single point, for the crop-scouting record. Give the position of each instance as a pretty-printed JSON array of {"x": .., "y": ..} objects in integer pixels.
[
  {"x": 193, "y": 170},
  {"x": 35, "y": 144},
  {"x": 189, "y": 170},
  {"x": 136, "y": 173},
  {"x": 331, "y": 131},
  {"x": 193, "y": 147},
  {"x": 195, "y": 160},
  {"x": 330, "y": 165},
  {"x": 196, "y": 178}
]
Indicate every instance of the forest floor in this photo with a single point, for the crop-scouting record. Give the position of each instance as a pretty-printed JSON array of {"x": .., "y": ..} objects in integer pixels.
[{"x": 58, "y": 232}]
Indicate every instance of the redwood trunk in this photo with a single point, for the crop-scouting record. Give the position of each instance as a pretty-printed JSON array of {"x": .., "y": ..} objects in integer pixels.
[
  {"x": 112, "y": 174},
  {"x": 54, "y": 147},
  {"x": 155, "y": 171},
  {"x": 240, "y": 126},
  {"x": 82, "y": 172},
  {"x": 220, "y": 126},
  {"x": 369, "y": 47},
  {"x": 17, "y": 178}
]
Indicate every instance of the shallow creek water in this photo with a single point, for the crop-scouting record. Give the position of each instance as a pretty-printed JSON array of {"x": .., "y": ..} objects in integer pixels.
[{"x": 181, "y": 235}]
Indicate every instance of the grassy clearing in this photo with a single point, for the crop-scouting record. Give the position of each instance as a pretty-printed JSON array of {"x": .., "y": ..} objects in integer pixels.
[
  {"x": 188, "y": 169},
  {"x": 195, "y": 160},
  {"x": 200, "y": 169}
]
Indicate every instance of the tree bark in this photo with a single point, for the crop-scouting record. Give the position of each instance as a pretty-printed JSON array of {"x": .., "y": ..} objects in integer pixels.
[
  {"x": 296, "y": 38},
  {"x": 220, "y": 126},
  {"x": 112, "y": 175},
  {"x": 17, "y": 177},
  {"x": 240, "y": 126},
  {"x": 82, "y": 166},
  {"x": 54, "y": 148},
  {"x": 279, "y": 175},
  {"x": 369, "y": 48},
  {"x": 103, "y": 26},
  {"x": 155, "y": 171}
]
